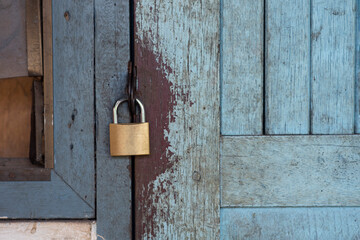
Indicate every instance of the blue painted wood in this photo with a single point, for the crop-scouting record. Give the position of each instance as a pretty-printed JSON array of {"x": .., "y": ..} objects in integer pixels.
[
  {"x": 333, "y": 66},
  {"x": 45, "y": 200},
  {"x": 290, "y": 170},
  {"x": 357, "y": 70},
  {"x": 287, "y": 64},
  {"x": 290, "y": 223},
  {"x": 70, "y": 193},
  {"x": 74, "y": 125},
  {"x": 113, "y": 173},
  {"x": 242, "y": 30}
]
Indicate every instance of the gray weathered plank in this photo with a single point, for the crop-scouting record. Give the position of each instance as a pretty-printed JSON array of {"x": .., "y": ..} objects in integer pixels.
[
  {"x": 291, "y": 171},
  {"x": 333, "y": 66},
  {"x": 242, "y": 67},
  {"x": 287, "y": 63},
  {"x": 290, "y": 223},
  {"x": 177, "y": 54},
  {"x": 357, "y": 70},
  {"x": 13, "y": 56},
  {"x": 112, "y": 49},
  {"x": 42, "y": 200},
  {"x": 74, "y": 95}
]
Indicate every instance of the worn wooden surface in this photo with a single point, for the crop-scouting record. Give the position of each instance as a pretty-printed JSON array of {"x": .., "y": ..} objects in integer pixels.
[
  {"x": 357, "y": 69},
  {"x": 71, "y": 192},
  {"x": 44, "y": 230},
  {"x": 34, "y": 38},
  {"x": 287, "y": 67},
  {"x": 242, "y": 28},
  {"x": 48, "y": 83},
  {"x": 290, "y": 223},
  {"x": 291, "y": 171},
  {"x": 42, "y": 200},
  {"x": 333, "y": 66},
  {"x": 22, "y": 170},
  {"x": 74, "y": 127},
  {"x": 177, "y": 55},
  {"x": 13, "y": 56},
  {"x": 113, "y": 173},
  {"x": 15, "y": 120}
]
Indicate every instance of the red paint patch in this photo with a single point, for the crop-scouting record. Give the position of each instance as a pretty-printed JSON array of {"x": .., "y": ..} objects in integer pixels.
[{"x": 159, "y": 101}]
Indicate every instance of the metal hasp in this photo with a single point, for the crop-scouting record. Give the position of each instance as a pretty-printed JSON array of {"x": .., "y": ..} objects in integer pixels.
[{"x": 129, "y": 139}]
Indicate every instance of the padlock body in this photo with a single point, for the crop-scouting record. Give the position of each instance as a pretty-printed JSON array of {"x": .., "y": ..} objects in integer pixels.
[{"x": 128, "y": 139}]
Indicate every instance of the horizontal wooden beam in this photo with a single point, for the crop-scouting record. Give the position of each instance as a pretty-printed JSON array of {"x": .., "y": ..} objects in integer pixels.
[{"x": 291, "y": 170}]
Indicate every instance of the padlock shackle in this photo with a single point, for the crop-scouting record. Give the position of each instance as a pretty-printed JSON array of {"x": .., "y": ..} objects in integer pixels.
[{"x": 117, "y": 104}]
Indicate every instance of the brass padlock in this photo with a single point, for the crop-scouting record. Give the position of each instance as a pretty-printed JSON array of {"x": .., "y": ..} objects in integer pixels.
[{"x": 129, "y": 139}]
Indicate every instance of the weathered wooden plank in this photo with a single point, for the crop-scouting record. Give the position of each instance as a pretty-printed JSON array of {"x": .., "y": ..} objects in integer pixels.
[
  {"x": 112, "y": 48},
  {"x": 291, "y": 171},
  {"x": 177, "y": 57},
  {"x": 74, "y": 95},
  {"x": 13, "y": 56},
  {"x": 48, "y": 83},
  {"x": 15, "y": 120},
  {"x": 44, "y": 230},
  {"x": 333, "y": 66},
  {"x": 34, "y": 38},
  {"x": 242, "y": 67},
  {"x": 42, "y": 200},
  {"x": 357, "y": 70},
  {"x": 287, "y": 64},
  {"x": 290, "y": 223}
]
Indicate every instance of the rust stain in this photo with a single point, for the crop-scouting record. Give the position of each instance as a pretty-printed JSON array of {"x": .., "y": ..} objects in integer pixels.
[{"x": 155, "y": 92}]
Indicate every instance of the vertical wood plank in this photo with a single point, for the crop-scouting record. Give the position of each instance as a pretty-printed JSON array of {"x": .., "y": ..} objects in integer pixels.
[
  {"x": 333, "y": 66},
  {"x": 48, "y": 83},
  {"x": 287, "y": 66},
  {"x": 242, "y": 67},
  {"x": 290, "y": 223},
  {"x": 112, "y": 52},
  {"x": 74, "y": 95},
  {"x": 177, "y": 54},
  {"x": 13, "y": 54},
  {"x": 357, "y": 71}
]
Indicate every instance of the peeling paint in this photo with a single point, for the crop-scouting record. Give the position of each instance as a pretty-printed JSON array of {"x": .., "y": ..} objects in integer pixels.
[{"x": 177, "y": 54}]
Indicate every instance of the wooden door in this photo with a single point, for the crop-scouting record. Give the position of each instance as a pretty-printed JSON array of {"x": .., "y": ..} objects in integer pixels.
[
  {"x": 280, "y": 79},
  {"x": 290, "y": 153}
]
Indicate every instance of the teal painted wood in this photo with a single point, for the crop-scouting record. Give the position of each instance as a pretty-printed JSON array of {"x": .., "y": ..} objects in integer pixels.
[
  {"x": 42, "y": 200},
  {"x": 70, "y": 193},
  {"x": 112, "y": 49},
  {"x": 357, "y": 71},
  {"x": 74, "y": 127},
  {"x": 333, "y": 66},
  {"x": 290, "y": 171},
  {"x": 242, "y": 67},
  {"x": 290, "y": 223},
  {"x": 287, "y": 64}
]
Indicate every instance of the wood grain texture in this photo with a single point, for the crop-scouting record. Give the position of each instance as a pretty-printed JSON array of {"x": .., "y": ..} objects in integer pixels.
[
  {"x": 44, "y": 230},
  {"x": 74, "y": 124},
  {"x": 34, "y": 38},
  {"x": 13, "y": 54},
  {"x": 333, "y": 66},
  {"x": 242, "y": 24},
  {"x": 15, "y": 120},
  {"x": 112, "y": 52},
  {"x": 287, "y": 66},
  {"x": 357, "y": 69},
  {"x": 48, "y": 83},
  {"x": 42, "y": 200},
  {"x": 290, "y": 223},
  {"x": 291, "y": 171},
  {"x": 177, "y": 57}
]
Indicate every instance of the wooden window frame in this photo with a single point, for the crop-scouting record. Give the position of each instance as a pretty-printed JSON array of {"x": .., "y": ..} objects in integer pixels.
[{"x": 71, "y": 191}]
